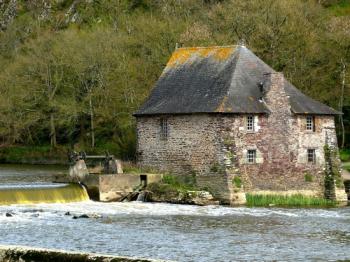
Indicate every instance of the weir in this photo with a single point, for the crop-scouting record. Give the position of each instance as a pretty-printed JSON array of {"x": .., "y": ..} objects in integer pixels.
[{"x": 43, "y": 194}]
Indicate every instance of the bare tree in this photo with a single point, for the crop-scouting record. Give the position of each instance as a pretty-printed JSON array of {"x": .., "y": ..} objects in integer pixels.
[{"x": 341, "y": 101}]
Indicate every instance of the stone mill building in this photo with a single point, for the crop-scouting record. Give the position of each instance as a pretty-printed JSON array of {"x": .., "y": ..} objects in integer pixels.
[{"x": 221, "y": 112}]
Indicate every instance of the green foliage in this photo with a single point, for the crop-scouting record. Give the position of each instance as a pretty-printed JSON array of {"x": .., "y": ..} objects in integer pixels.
[
  {"x": 33, "y": 154},
  {"x": 296, "y": 200},
  {"x": 184, "y": 182},
  {"x": 237, "y": 181},
  {"x": 308, "y": 177},
  {"x": 332, "y": 175},
  {"x": 340, "y": 8},
  {"x": 217, "y": 168},
  {"x": 162, "y": 189},
  {"x": 77, "y": 72},
  {"x": 344, "y": 155}
]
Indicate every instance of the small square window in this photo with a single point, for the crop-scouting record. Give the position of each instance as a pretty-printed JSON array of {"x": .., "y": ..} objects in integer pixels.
[
  {"x": 310, "y": 123},
  {"x": 311, "y": 156},
  {"x": 250, "y": 123},
  {"x": 251, "y": 156},
  {"x": 163, "y": 129}
]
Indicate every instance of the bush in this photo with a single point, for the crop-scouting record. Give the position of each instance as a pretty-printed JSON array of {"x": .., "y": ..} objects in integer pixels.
[
  {"x": 183, "y": 182},
  {"x": 237, "y": 181},
  {"x": 344, "y": 155},
  {"x": 161, "y": 189},
  {"x": 308, "y": 177}
]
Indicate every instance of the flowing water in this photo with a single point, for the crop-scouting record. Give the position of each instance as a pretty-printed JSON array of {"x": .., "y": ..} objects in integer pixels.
[
  {"x": 29, "y": 185},
  {"x": 181, "y": 232}
]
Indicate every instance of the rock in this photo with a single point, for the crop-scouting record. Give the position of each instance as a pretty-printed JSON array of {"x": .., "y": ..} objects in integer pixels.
[
  {"x": 67, "y": 213},
  {"x": 201, "y": 198},
  {"x": 8, "y": 215},
  {"x": 94, "y": 215},
  {"x": 81, "y": 216}
]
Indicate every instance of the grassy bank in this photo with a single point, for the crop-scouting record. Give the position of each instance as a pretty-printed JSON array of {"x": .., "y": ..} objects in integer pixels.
[
  {"x": 174, "y": 184},
  {"x": 287, "y": 201}
]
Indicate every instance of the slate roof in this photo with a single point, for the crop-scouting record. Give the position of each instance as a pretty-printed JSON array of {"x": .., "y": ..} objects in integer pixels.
[{"x": 220, "y": 79}]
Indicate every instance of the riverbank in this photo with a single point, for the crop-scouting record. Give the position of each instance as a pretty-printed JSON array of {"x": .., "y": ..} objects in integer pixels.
[
  {"x": 29, "y": 254},
  {"x": 45, "y": 155},
  {"x": 34, "y": 155}
]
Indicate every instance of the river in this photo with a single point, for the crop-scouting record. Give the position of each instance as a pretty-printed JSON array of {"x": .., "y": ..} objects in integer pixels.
[{"x": 180, "y": 232}]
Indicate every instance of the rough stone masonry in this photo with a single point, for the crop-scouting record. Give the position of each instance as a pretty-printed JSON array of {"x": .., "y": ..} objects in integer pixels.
[{"x": 223, "y": 115}]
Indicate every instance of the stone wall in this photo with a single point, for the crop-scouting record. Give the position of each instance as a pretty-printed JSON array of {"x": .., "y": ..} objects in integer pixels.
[
  {"x": 194, "y": 146},
  {"x": 115, "y": 187},
  {"x": 215, "y": 147}
]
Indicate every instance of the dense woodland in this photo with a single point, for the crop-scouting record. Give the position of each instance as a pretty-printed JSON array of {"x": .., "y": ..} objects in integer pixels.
[{"x": 73, "y": 71}]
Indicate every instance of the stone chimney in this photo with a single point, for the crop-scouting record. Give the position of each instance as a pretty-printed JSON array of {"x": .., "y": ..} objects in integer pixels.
[
  {"x": 279, "y": 118},
  {"x": 275, "y": 95}
]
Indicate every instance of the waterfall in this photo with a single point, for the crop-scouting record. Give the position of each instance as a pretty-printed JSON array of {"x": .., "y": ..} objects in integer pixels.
[
  {"x": 46, "y": 194},
  {"x": 142, "y": 196}
]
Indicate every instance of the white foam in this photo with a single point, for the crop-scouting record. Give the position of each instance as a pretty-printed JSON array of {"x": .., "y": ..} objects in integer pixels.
[{"x": 162, "y": 209}]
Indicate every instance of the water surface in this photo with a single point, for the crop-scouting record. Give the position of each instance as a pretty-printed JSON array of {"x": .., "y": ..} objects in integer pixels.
[{"x": 181, "y": 232}]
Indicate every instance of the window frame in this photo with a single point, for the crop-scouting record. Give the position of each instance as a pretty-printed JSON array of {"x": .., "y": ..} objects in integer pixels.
[
  {"x": 311, "y": 155},
  {"x": 164, "y": 128},
  {"x": 310, "y": 123},
  {"x": 251, "y": 156},
  {"x": 250, "y": 123}
]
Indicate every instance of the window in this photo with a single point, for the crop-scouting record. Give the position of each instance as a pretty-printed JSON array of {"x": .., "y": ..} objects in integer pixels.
[
  {"x": 163, "y": 129},
  {"x": 311, "y": 156},
  {"x": 251, "y": 156},
  {"x": 250, "y": 123},
  {"x": 310, "y": 123}
]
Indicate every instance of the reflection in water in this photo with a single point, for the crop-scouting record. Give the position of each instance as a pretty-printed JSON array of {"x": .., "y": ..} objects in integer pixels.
[{"x": 10, "y": 173}]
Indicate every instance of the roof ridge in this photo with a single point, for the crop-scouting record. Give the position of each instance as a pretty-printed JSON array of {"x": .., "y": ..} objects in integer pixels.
[
  {"x": 208, "y": 47},
  {"x": 222, "y": 105}
]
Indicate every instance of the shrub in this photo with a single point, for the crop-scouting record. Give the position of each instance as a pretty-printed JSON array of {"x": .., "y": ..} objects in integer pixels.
[
  {"x": 183, "y": 182},
  {"x": 308, "y": 177},
  {"x": 344, "y": 155},
  {"x": 237, "y": 181},
  {"x": 217, "y": 168}
]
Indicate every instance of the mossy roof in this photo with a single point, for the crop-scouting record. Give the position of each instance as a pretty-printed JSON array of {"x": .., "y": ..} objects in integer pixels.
[{"x": 219, "y": 79}]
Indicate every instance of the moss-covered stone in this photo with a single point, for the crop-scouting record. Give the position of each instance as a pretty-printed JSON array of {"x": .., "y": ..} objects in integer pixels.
[{"x": 27, "y": 254}]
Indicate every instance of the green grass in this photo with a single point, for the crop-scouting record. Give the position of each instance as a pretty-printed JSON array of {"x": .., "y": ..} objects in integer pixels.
[
  {"x": 341, "y": 8},
  {"x": 296, "y": 200},
  {"x": 344, "y": 155}
]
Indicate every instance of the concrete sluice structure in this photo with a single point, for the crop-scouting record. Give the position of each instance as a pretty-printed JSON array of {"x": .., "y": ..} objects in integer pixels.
[{"x": 107, "y": 182}]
